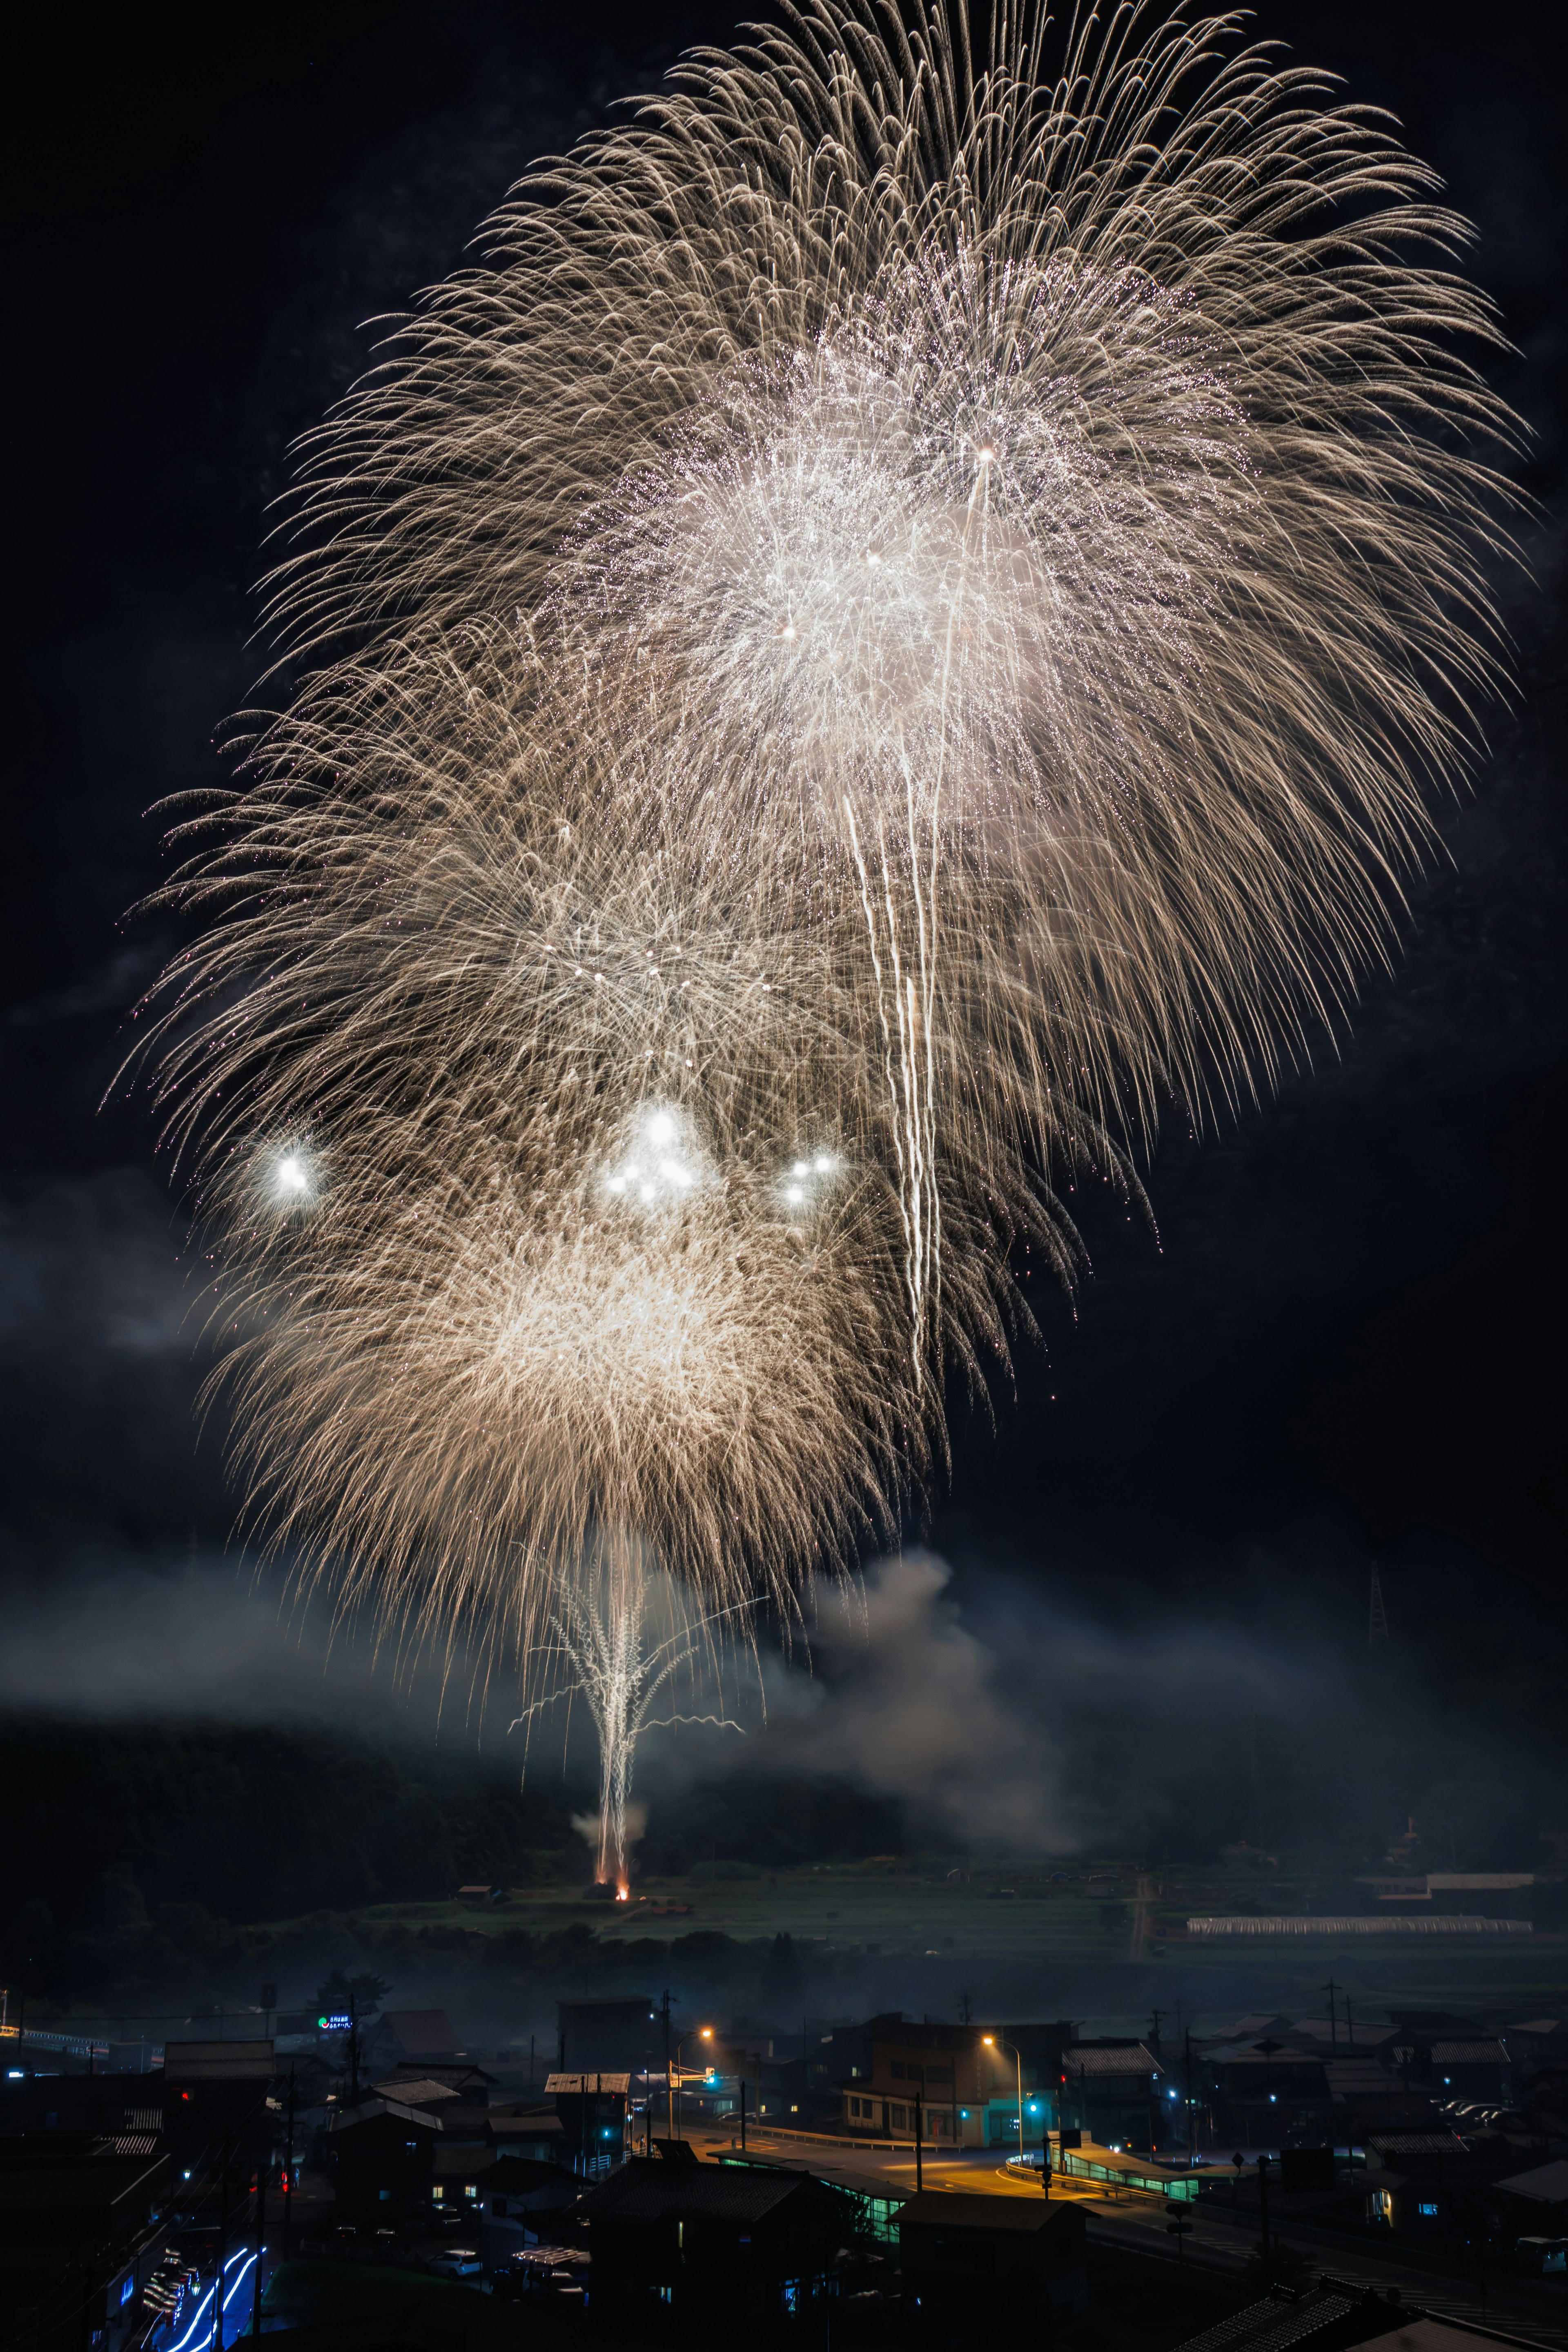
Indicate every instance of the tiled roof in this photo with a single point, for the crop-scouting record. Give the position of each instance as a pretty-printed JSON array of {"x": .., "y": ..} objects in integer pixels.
[
  {"x": 1135, "y": 2060},
  {"x": 1361, "y": 2073},
  {"x": 1269, "y": 2327},
  {"x": 1469, "y": 2053},
  {"x": 1417, "y": 2143},
  {"x": 648, "y": 2190},
  {"x": 420, "y": 2092},
  {"x": 368, "y": 2108}
]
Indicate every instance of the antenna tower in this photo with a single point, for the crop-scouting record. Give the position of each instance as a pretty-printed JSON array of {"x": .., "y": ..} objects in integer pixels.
[{"x": 1377, "y": 1617}]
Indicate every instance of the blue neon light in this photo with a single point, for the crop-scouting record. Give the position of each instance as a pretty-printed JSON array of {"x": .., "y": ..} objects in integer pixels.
[{"x": 245, "y": 2261}]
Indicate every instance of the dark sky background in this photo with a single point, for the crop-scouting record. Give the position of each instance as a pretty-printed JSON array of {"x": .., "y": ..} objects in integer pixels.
[{"x": 1345, "y": 1344}]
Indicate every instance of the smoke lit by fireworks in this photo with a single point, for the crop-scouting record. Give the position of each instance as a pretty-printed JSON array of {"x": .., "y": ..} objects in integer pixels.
[{"x": 902, "y": 619}]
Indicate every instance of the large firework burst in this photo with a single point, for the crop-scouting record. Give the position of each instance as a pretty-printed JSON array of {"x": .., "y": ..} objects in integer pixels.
[{"x": 907, "y": 612}]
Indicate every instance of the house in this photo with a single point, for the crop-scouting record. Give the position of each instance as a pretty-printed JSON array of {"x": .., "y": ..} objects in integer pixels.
[
  {"x": 1265, "y": 2096},
  {"x": 623, "y": 2036},
  {"x": 74, "y": 2240},
  {"x": 775, "y": 2086},
  {"x": 458, "y": 2097},
  {"x": 521, "y": 2205},
  {"x": 874, "y": 2202},
  {"x": 1366, "y": 2096},
  {"x": 418, "y": 2084},
  {"x": 977, "y": 2265},
  {"x": 713, "y": 2242},
  {"x": 1331, "y": 2317},
  {"x": 1111, "y": 2088},
  {"x": 400, "y": 2035},
  {"x": 592, "y": 2109},
  {"x": 1533, "y": 2204},
  {"x": 947, "y": 2067},
  {"x": 381, "y": 2154},
  {"x": 1476, "y": 2068},
  {"x": 1434, "y": 2182},
  {"x": 211, "y": 2090},
  {"x": 526, "y": 2130}
]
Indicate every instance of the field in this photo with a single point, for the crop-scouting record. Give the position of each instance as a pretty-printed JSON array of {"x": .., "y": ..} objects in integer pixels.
[{"x": 1102, "y": 1940}]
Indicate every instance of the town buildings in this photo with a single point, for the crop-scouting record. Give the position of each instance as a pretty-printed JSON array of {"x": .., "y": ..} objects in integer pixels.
[
  {"x": 709, "y": 2241},
  {"x": 977, "y": 2267}
]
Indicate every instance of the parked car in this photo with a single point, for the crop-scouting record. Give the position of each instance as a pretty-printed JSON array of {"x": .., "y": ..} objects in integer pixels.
[{"x": 456, "y": 2262}]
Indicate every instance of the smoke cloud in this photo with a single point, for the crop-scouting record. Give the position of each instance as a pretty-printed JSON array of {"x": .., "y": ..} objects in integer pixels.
[{"x": 908, "y": 1702}]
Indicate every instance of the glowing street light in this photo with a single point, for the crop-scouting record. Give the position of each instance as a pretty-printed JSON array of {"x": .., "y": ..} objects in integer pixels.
[
  {"x": 703, "y": 2033},
  {"x": 994, "y": 2042}
]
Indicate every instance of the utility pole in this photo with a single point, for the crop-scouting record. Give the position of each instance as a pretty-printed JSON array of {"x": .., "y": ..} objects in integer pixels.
[
  {"x": 743, "y": 2115},
  {"x": 1331, "y": 1988},
  {"x": 1156, "y": 2018},
  {"x": 963, "y": 2010},
  {"x": 260, "y": 2240},
  {"x": 920, "y": 2134},
  {"x": 1191, "y": 2111},
  {"x": 216, "y": 2336},
  {"x": 353, "y": 2050},
  {"x": 289, "y": 2169},
  {"x": 668, "y": 2093},
  {"x": 1263, "y": 2213}
]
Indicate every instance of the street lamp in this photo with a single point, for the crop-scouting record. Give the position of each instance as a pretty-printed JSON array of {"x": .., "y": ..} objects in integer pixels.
[
  {"x": 993, "y": 2041},
  {"x": 703, "y": 2033}
]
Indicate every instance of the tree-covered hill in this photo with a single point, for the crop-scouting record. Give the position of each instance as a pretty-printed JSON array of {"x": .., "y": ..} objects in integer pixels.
[{"x": 150, "y": 1836}]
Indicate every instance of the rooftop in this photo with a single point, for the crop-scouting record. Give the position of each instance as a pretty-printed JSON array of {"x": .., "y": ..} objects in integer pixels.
[
  {"x": 649, "y": 2188},
  {"x": 1017, "y": 2217},
  {"x": 1417, "y": 2143},
  {"x": 1549, "y": 2182},
  {"x": 1269, "y": 2326},
  {"x": 82, "y": 2188},
  {"x": 421, "y": 2091},
  {"x": 368, "y": 2109},
  {"x": 1126, "y": 2058}
]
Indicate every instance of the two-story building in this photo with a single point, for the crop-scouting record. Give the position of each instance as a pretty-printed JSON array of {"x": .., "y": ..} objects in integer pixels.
[
  {"x": 381, "y": 2154},
  {"x": 712, "y": 2244},
  {"x": 1112, "y": 2088},
  {"x": 459, "y": 2097},
  {"x": 947, "y": 2068}
]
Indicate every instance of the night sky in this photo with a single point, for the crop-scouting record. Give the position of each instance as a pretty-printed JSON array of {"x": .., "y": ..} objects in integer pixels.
[{"x": 1342, "y": 1342}]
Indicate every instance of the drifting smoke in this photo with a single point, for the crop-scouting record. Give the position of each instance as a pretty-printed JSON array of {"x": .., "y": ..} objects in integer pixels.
[
  {"x": 912, "y": 1704},
  {"x": 904, "y": 614}
]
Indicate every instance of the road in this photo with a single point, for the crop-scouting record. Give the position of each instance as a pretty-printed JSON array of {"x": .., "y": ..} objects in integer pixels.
[{"x": 1535, "y": 2311}]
